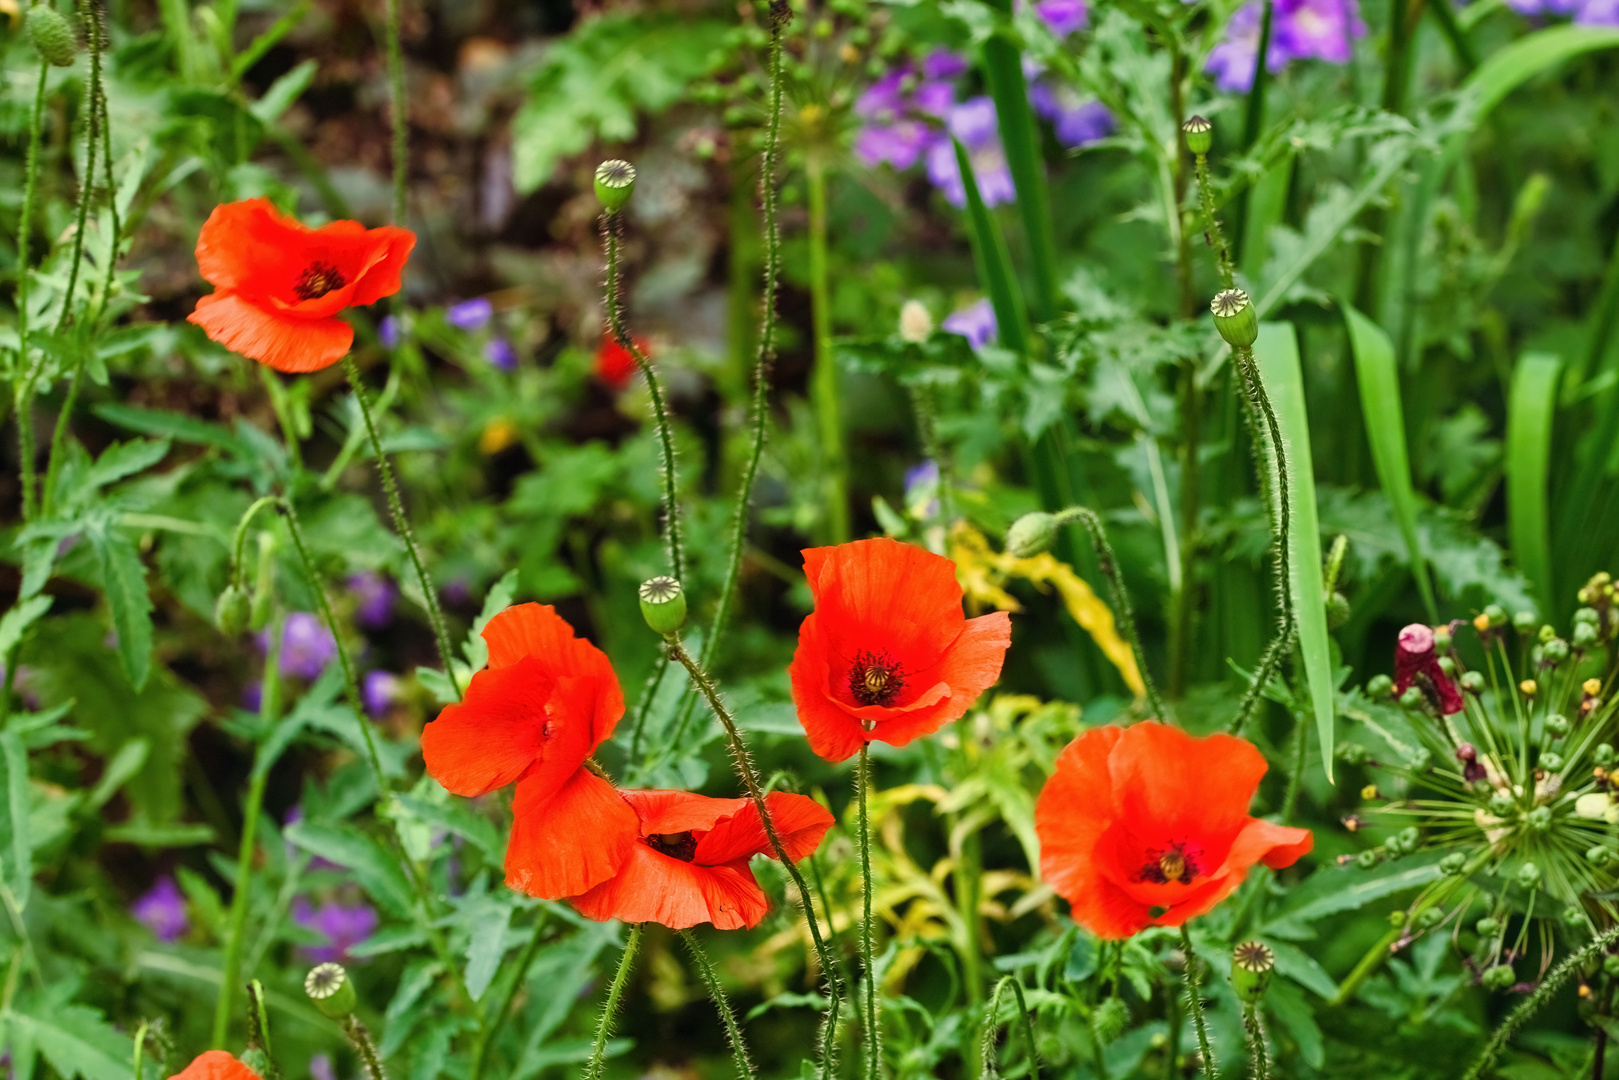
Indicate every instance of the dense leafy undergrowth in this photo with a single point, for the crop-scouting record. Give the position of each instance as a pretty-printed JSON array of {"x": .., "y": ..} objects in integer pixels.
[{"x": 989, "y": 538}]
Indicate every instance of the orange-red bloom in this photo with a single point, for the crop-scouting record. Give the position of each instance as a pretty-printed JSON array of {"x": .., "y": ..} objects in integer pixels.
[
  {"x": 1148, "y": 826},
  {"x": 690, "y": 864},
  {"x": 541, "y": 707},
  {"x": 215, "y": 1065},
  {"x": 615, "y": 365},
  {"x": 279, "y": 285},
  {"x": 887, "y": 654}
]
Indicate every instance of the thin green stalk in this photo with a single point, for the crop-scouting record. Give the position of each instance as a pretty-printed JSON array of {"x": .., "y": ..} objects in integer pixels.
[
  {"x": 283, "y": 416},
  {"x": 360, "y": 1039},
  {"x": 989, "y": 1068},
  {"x": 400, "y": 107},
  {"x": 87, "y": 184},
  {"x": 1549, "y": 986},
  {"x": 1185, "y": 611},
  {"x": 1290, "y": 800},
  {"x": 495, "y": 1019},
  {"x": 396, "y": 508},
  {"x": 1211, "y": 222},
  {"x": 53, "y": 464},
  {"x": 1258, "y": 1052},
  {"x": 1253, "y": 123},
  {"x": 750, "y": 780},
  {"x": 874, "y": 1036},
  {"x": 722, "y": 1005},
  {"x": 1172, "y": 1049},
  {"x": 1194, "y": 1005},
  {"x": 1466, "y": 55},
  {"x": 258, "y": 1029},
  {"x": 269, "y": 706},
  {"x": 25, "y": 388},
  {"x": 766, "y": 353},
  {"x": 111, "y": 268},
  {"x": 969, "y": 877},
  {"x": 612, "y": 226},
  {"x": 824, "y": 380},
  {"x": 140, "y": 1046},
  {"x": 604, "y": 1026}
]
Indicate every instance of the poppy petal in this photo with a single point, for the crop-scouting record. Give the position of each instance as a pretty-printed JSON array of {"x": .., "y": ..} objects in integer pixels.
[
  {"x": 833, "y": 732},
  {"x": 499, "y": 731},
  {"x": 653, "y": 887},
  {"x": 1173, "y": 786},
  {"x": 287, "y": 344},
  {"x": 1277, "y": 846},
  {"x": 537, "y": 632},
  {"x": 215, "y": 1065},
  {"x": 663, "y": 812},
  {"x": 885, "y": 595},
  {"x": 385, "y": 273},
  {"x": 1070, "y": 817},
  {"x": 800, "y": 823},
  {"x": 567, "y": 841},
  {"x": 972, "y": 664}
]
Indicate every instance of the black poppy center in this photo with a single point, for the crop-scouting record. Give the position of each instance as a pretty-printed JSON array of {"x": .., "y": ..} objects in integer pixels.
[
  {"x": 676, "y": 845},
  {"x": 1172, "y": 865},
  {"x": 317, "y": 280},
  {"x": 876, "y": 679}
]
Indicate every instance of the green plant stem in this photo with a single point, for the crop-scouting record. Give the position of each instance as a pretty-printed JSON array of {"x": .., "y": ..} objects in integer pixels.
[
  {"x": 1259, "y": 1053},
  {"x": 1531, "y": 1005},
  {"x": 874, "y": 1036},
  {"x": 1185, "y": 611},
  {"x": 1212, "y": 233},
  {"x": 110, "y": 271},
  {"x": 495, "y": 1019},
  {"x": 269, "y": 707},
  {"x": 258, "y": 1029},
  {"x": 1252, "y": 124},
  {"x": 824, "y": 380},
  {"x": 53, "y": 464},
  {"x": 969, "y": 878},
  {"x": 1290, "y": 800},
  {"x": 612, "y": 226},
  {"x": 604, "y": 1026},
  {"x": 764, "y": 362},
  {"x": 25, "y": 387},
  {"x": 87, "y": 183},
  {"x": 140, "y": 1046},
  {"x": 1466, "y": 55},
  {"x": 360, "y": 1039},
  {"x": 992, "y": 1015},
  {"x": 722, "y": 1005},
  {"x": 1194, "y": 1005},
  {"x": 396, "y": 508},
  {"x": 750, "y": 780},
  {"x": 1172, "y": 1050},
  {"x": 398, "y": 112}
]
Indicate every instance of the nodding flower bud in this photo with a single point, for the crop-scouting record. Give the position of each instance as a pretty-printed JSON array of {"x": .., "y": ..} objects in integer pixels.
[
  {"x": 52, "y": 35},
  {"x": 1031, "y": 534},
  {"x": 1252, "y": 963},
  {"x": 232, "y": 611},
  {"x": 615, "y": 182},
  {"x": 328, "y": 986},
  {"x": 1199, "y": 135},
  {"x": 663, "y": 604},
  {"x": 1235, "y": 318}
]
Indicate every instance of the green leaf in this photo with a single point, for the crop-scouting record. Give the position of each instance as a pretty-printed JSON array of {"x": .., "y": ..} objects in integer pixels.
[
  {"x": 19, "y": 619},
  {"x": 76, "y": 1040},
  {"x": 1531, "y": 406},
  {"x": 283, "y": 92},
  {"x": 128, "y": 761},
  {"x": 169, "y": 425},
  {"x": 418, "y": 977},
  {"x": 1331, "y": 891},
  {"x": 1511, "y": 67},
  {"x": 1003, "y": 69},
  {"x": 458, "y": 819},
  {"x": 124, "y": 459},
  {"x": 486, "y": 947},
  {"x": 992, "y": 260},
  {"x": 16, "y": 840},
  {"x": 1277, "y": 352},
  {"x": 376, "y": 869},
  {"x": 123, "y": 576},
  {"x": 499, "y": 599},
  {"x": 1384, "y": 414}
]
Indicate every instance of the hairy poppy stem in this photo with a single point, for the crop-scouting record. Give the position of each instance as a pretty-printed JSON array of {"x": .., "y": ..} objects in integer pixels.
[
  {"x": 604, "y": 1027},
  {"x": 612, "y": 226},
  {"x": 400, "y": 106},
  {"x": 750, "y": 780},
  {"x": 1194, "y": 1005},
  {"x": 360, "y": 1039},
  {"x": 87, "y": 184},
  {"x": 1211, "y": 223},
  {"x": 1531, "y": 1005},
  {"x": 767, "y": 348},
  {"x": 1259, "y": 1053},
  {"x": 991, "y": 1069},
  {"x": 396, "y": 508},
  {"x": 25, "y": 388},
  {"x": 722, "y": 1004},
  {"x": 874, "y": 1036}
]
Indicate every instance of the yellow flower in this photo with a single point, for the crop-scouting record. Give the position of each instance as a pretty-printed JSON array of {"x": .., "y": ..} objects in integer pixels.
[{"x": 497, "y": 435}]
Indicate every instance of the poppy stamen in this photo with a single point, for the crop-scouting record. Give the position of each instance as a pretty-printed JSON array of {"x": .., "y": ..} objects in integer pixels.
[
  {"x": 876, "y": 679},
  {"x": 318, "y": 279},
  {"x": 680, "y": 845},
  {"x": 1171, "y": 866}
]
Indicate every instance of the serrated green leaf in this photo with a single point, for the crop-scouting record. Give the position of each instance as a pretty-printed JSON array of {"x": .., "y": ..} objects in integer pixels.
[
  {"x": 16, "y": 836},
  {"x": 169, "y": 425},
  {"x": 456, "y": 818},
  {"x": 19, "y": 619},
  {"x": 77, "y": 1041},
  {"x": 1531, "y": 406},
  {"x": 376, "y": 869},
  {"x": 486, "y": 947},
  {"x": 123, "y": 577},
  {"x": 284, "y": 92}
]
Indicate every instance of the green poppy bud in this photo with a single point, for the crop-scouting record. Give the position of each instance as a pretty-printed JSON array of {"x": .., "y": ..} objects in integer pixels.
[
  {"x": 1199, "y": 135},
  {"x": 1487, "y": 926},
  {"x": 1453, "y": 864},
  {"x": 1380, "y": 687},
  {"x": 1472, "y": 682},
  {"x": 1529, "y": 875},
  {"x": 52, "y": 35},
  {"x": 663, "y": 604},
  {"x": 1235, "y": 318},
  {"x": 1031, "y": 534},
  {"x": 615, "y": 182},
  {"x": 1252, "y": 963},
  {"x": 1557, "y": 725},
  {"x": 232, "y": 611},
  {"x": 329, "y": 987},
  {"x": 1500, "y": 977}
]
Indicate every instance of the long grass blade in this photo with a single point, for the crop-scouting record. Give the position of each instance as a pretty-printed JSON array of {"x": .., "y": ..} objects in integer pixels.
[
  {"x": 1531, "y": 405},
  {"x": 1384, "y": 414},
  {"x": 993, "y": 262},
  {"x": 1277, "y": 353}
]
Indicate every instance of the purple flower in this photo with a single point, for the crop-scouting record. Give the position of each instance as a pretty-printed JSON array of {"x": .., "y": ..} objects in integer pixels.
[
  {"x": 942, "y": 64},
  {"x": 1598, "y": 13},
  {"x": 500, "y": 354},
  {"x": 1062, "y": 17},
  {"x": 320, "y": 1067},
  {"x": 343, "y": 925},
  {"x": 306, "y": 646},
  {"x": 1318, "y": 29},
  {"x": 388, "y": 331},
  {"x": 470, "y": 314},
  {"x": 898, "y": 144},
  {"x": 973, "y": 123},
  {"x": 374, "y": 597},
  {"x": 1546, "y": 7},
  {"x": 1232, "y": 61},
  {"x": 380, "y": 691},
  {"x": 253, "y": 694},
  {"x": 975, "y": 322},
  {"x": 162, "y": 909},
  {"x": 922, "y": 489},
  {"x": 1075, "y": 121}
]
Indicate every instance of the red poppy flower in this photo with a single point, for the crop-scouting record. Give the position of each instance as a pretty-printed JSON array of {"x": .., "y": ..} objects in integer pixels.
[
  {"x": 1148, "y": 826},
  {"x": 691, "y": 863},
  {"x": 541, "y": 707},
  {"x": 215, "y": 1065},
  {"x": 1416, "y": 663},
  {"x": 887, "y": 654},
  {"x": 615, "y": 365},
  {"x": 279, "y": 285}
]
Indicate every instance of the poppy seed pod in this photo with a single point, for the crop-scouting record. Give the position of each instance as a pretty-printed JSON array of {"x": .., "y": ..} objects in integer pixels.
[
  {"x": 1235, "y": 318},
  {"x": 1252, "y": 963},
  {"x": 328, "y": 986},
  {"x": 231, "y": 611},
  {"x": 1031, "y": 534},
  {"x": 1199, "y": 135},
  {"x": 663, "y": 604},
  {"x": 615, "y": 182},
  {"x": 52, "y": 35}
]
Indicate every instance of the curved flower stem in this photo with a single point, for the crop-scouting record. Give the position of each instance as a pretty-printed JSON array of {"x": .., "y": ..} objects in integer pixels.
[
  {"x": 140, "y": 1047},
  {"x": 1194, "y": 1005},
  {"x": 87, "y": 184},
  {"x": 269, "y": 707},
  {"x": 612, "y": 226},
  {"x": 750, "y": 780},
  {"x": 25, "y": 387},
  {"x": 722, "y": 1004},
  {"x": 360, "y": 1039},
  {"x": 1211, "y": 222},
  {"x": 604, "y": 1027},
  {"x": 1259, "y": 1053},
  {"x": 1531, "y": 1004},
  {"x": 767, "y": 350},
  {"x": 989, "y": 1068},
  {"x": 874, "y": 1036},
  {"x": 396, "y": 508}
]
